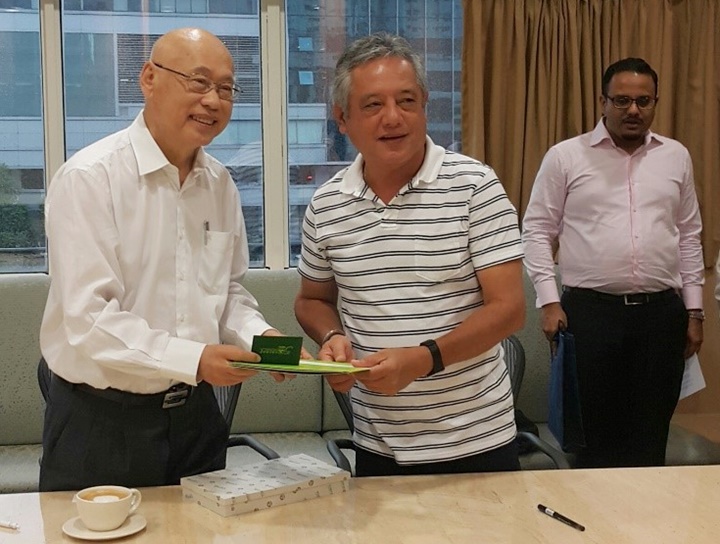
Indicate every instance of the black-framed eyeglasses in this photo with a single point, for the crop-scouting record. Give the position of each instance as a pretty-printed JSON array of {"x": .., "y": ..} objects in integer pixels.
[
  {"x": 197, "y": 83},
  {"x": 622, "y": 102}
]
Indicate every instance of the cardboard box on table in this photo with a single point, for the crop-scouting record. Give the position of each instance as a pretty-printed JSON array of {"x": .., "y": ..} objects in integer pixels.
[{"x": 265, "y": 485}]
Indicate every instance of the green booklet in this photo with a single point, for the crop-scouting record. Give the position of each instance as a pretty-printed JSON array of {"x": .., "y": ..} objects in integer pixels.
[
  {"x": 304, "y": 366},
  {"x": 282, "y": 354}
]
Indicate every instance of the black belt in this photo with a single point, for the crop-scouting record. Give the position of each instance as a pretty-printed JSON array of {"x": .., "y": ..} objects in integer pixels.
[
  {"x": 177, "y": 395},
  {"x": 632, "y": 299}
]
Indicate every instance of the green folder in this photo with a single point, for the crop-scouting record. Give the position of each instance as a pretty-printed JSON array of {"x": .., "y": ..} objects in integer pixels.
[{"x": 305, "y": 366}]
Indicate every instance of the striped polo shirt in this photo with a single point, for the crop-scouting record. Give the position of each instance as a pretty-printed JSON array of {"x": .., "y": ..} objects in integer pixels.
[{"x": 406, "y": 272}]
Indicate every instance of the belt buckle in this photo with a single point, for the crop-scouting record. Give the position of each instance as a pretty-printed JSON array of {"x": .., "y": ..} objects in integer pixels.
[
  {"x": 174, "y": 399},
  {"x": 629, "y": 302}
]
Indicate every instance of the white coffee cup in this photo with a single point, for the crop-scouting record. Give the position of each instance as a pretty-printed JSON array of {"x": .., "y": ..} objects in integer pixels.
[{"x": 106, "y": 507}]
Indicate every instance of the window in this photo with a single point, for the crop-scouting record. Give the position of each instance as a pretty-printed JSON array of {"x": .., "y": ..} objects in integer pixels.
[
  {"x": 431, "y": 27},
  {"x": 18, "y": 4},
  {"x": 104, "y": 45},
  {"x": 305, "y": 44},
  {"x": 306, "y": 77},
  {"x": 22, "y": 238},
  {"x": 20, "y": 66},
  {"x": 90, "y": 76}
]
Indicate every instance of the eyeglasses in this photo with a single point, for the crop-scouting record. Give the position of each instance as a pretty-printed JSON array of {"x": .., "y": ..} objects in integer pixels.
[
  {"x": 197, "y": 83},
  {"x": 624, "y": 102}
]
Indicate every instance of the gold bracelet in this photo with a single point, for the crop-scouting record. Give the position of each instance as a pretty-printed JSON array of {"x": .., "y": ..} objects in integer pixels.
[
  {"x": 696, "y": 314},
  {"x": 330, "y": 334}
]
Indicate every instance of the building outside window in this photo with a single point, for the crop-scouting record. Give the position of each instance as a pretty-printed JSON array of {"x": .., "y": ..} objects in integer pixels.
[{"x": 104, "y": 44}]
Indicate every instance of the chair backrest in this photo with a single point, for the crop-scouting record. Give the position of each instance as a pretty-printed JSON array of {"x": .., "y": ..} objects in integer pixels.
[
  {"x": 343, "y": 400},
  {"x": 528, "y": 439},
  {"x": 44, "y": 374},
  {"x": 515, "y": 362}
]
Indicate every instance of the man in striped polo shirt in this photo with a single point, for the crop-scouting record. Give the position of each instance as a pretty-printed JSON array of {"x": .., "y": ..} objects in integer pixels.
[{"x": 422, "y": 248}]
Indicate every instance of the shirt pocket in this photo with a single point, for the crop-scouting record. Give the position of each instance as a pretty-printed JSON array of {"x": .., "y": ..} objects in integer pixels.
[
  {"x": 216, "y": 261},
  {"x": 443, "y": 256}
]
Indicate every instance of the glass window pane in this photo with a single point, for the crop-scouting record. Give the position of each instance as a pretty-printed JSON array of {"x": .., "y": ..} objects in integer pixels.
[
  {"x": 20, "y": 64},
  {"x": 433, "y": 28},
  {"x": 97, "y": 5},
  {"x": 103, "y": 56},
  {"x": 22, "y": 190},
  {"x": 90, "y": 77},
  {"x": 248, "y": 7}
]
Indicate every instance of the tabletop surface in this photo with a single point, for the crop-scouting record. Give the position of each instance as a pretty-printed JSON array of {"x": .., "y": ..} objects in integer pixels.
[{"x": 641, "y": 505}]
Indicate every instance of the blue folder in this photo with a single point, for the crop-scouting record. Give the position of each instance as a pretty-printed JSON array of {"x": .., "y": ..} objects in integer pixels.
[{"x": 565, "y": 415}]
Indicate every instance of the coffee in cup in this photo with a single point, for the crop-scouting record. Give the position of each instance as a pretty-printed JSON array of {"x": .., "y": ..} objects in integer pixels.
[{"x": 106, "y": 507}]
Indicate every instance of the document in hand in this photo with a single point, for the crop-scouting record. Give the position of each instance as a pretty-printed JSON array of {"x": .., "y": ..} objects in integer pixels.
[
  {"x": 303, "y": 367},
  {"x": 565, "y": 415},
  {"x": 693, "y": 379}
]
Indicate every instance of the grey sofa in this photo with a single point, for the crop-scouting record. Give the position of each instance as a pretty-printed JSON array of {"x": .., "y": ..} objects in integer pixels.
[
  {"x": 293, "y": 417},
  {"x": 289, "y": 417}
]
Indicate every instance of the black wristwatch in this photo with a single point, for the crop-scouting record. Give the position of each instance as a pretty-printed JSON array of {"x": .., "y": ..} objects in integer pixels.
[{"x": 436, "y": 357}]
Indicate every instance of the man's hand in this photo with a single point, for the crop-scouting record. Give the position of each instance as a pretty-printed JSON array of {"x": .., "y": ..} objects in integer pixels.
[
  {"x": 342, "y": 383},
  {"x": 214, "y": 366},
  {"x": 338, "y": 348},
  {"x": 694, "y": 337},
  {"x": 552, "y": 316},
  {"x": 393, "y": 369}
]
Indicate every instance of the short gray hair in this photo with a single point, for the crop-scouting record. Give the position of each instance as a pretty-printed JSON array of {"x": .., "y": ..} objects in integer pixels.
[{"x": 369, "y": 48}]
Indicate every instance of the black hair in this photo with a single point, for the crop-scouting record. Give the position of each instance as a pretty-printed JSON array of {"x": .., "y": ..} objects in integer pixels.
[{"x": 630, "y": 64}]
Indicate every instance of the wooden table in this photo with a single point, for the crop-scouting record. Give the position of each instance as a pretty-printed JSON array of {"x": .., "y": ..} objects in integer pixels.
[{"x": 647, "y": 505}]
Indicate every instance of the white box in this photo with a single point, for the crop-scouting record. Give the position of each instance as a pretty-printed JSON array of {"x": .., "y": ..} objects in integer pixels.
[{"x": 264, "y": 485}]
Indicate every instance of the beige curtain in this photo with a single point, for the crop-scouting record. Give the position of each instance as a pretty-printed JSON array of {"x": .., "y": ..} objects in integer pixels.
[{"x": 532, "y": 71}]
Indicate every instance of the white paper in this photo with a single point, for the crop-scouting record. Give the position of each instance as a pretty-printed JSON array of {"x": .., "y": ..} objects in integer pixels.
[{"x": 693, "y": 380}]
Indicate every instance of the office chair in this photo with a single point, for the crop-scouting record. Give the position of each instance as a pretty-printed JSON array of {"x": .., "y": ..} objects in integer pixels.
[
  {"x": 227, "y": 399},
  {"x": 527, "y": 441}
]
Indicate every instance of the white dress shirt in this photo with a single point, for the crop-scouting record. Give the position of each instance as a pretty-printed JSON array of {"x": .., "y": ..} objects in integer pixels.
[
  {"x": 624, "y": 223},
  {"x": 144, "y": 272}
]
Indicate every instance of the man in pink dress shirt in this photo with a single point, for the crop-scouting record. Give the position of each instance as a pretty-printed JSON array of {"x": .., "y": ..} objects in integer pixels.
[{"x": 620, "y": 202}]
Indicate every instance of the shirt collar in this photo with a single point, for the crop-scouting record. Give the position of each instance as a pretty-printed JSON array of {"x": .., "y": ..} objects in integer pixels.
[
  {"x": 353, "y": 182},
  {"x": 600, "y": 134},
  {"x": 150, "y": 157}
]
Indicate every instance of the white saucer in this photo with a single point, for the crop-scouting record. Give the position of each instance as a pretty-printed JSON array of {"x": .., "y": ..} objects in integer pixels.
[{"x": 76, "y": 528}]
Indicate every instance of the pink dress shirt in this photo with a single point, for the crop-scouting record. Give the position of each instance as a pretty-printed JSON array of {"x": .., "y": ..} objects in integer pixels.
[{"x": 624, "y": 223}]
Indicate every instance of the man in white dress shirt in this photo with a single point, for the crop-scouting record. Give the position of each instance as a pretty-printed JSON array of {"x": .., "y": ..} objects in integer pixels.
[
  {"x": 621, "y": 203},
  {"x": 147, "y": 250}
]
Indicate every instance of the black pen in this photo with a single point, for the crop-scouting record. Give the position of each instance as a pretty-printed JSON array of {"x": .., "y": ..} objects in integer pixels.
[{"x": 567, "y": 521}]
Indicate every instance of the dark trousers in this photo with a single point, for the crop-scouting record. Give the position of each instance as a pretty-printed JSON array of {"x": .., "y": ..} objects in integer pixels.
[
  {"x": 88, "y": 440},
  {"x": 630, "y": 367},
  {"x": 502, "y": 459}
]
